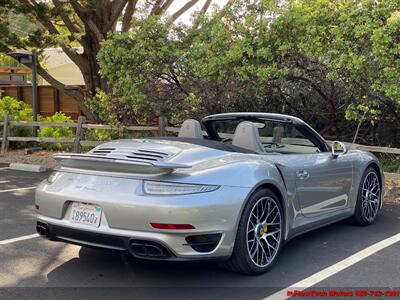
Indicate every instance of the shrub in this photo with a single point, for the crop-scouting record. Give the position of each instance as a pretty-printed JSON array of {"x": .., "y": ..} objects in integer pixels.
[
  {"x": 390, "y": 162},
  {"x": 101, "y": 135},
  {"x": 98, "y": 135},
  {"x": 19, "y": 111},
  {"x": 56, "y": 132}
]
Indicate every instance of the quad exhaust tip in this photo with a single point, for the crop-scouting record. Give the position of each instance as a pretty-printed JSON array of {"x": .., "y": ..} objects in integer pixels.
[
  {"x": 142, "y": 248},
  {"x": 42, "y": 229}
]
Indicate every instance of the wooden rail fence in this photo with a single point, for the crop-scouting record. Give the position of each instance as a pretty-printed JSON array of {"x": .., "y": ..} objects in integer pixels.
[
  {"x": 80, "y": 126},
  {"x": 78, "y": 141}
]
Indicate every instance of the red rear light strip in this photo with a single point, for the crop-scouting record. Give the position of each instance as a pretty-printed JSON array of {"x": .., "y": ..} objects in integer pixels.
[{"x": 172, "y": 226}]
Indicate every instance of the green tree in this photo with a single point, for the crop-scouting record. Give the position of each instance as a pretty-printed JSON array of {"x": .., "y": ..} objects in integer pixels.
[
  {"x": 84, "y": 23},
  {"x": 177, "y": 70},
  {"x": 358, "y": 43},
  {"x": 8, "y": 61},
  {"x": 322, "y": 60}
]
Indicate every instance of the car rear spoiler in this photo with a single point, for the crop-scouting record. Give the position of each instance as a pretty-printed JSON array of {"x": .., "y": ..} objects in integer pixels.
[{"x": 114, "y": 163}]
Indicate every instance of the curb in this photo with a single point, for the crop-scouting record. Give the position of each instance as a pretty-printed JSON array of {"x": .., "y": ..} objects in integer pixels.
[{"x": 27, "y": 167}]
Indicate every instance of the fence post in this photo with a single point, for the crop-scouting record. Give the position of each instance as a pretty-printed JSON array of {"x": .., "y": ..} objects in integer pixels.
[
  {"x": 79, "y": 134},
  {"x": 6, "y": 134},
  {"x": 162, "y": 123}
]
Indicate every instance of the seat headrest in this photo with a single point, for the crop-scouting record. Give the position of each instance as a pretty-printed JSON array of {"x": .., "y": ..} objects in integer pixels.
[
  {"x": 191, "y": 129},
  {"x": 246, "y": 136},
  {"x": 278, "y": 134}
]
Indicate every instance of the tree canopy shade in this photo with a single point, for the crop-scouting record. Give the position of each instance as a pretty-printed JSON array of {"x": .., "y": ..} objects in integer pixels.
[
  {"x": 358, "y": 42},
  {"x": 322, "y": 60},
  {"x": 319, "y": 59},
  {"x": 162, "y": 67},
  {"x": 34, "y": 24}
]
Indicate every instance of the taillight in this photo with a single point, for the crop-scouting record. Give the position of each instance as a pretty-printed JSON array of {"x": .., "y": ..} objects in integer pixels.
[{"x": 172, "y": 226}]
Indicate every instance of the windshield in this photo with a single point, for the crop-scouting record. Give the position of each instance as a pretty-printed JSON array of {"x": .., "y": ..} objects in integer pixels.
[{"x": 275, "y": 135}]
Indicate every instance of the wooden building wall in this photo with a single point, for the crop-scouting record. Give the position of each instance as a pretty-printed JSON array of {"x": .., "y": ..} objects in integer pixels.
[{"x": 50, "y": 99}]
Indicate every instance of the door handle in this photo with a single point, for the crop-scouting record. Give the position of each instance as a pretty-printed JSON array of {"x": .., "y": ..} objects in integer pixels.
[{"x": 302, "y": 174}]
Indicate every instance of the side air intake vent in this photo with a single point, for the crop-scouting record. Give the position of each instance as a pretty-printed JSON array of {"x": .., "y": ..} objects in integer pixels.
[{"x": 205, "y": 242}]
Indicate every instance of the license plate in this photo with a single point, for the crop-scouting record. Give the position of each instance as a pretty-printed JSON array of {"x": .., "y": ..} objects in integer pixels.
[{"x": 85, "y": 214}]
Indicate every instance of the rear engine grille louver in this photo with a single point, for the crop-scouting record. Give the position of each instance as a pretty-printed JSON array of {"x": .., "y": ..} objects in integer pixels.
[
  {"x": 103, "y": 151},
  {"x": 132, "y": 153}
]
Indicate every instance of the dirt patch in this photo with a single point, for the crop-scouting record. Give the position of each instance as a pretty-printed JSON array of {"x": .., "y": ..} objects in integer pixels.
[
  {"x": 38, "y": 158},
  {"x": 392, "y": 187}
]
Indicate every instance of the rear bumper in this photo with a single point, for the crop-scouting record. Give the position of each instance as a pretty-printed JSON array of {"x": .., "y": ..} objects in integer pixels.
[
  {"x": 127, "y": 213},
  {"x": 141, "y": 245},
  {"x": 138, "y": 248}
]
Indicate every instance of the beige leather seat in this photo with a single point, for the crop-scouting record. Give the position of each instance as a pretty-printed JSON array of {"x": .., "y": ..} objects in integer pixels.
[
  {"x": 191, "y": 129},
  {"x": 246, "y": 136}
]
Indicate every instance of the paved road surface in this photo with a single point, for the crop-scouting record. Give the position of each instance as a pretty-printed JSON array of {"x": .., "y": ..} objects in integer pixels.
[{"x": 67, "y": 271}]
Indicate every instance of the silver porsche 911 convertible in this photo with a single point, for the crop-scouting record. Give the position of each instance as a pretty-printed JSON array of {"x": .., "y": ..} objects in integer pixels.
[{"x": 233, "y": 187}]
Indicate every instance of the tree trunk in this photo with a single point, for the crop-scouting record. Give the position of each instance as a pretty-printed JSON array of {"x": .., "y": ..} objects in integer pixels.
[
  {"x": 358, "y": 128},
  {"x": 91, "y": 22},
  {"x": 91, "y": 71}
]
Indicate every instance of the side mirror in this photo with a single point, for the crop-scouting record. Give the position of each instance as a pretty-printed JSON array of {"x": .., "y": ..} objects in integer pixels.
[{"x": 338, "y": 148}]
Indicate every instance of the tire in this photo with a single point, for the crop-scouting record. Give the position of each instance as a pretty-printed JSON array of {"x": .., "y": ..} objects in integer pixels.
[
  {"x": 241, "y": 260},
  {"x": 368, "y": 203}
]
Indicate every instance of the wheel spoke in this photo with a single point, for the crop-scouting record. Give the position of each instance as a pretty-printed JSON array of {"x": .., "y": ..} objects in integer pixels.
[
  {"x": 273, "y": 232},
  {"x": 274, "y": 238},
  {"x": 253, "y": 215},
  {"x": 270, "y": 212},
  {"x": 270, "y": 246},
  {"x": 376, "y": 186},
  {"x": 257, "y": 213},
  {"x": 258, "y": 252},
  {"x": 253, "y": 249},
  {"x": 272, "y": 224},
  {"x": 267, "y": 244},
  {"x": 263, "y": 205},
  {"x": 274, "y": 219},
  {"x": 374, "y": 194},
  {"x": 264, "y": 254}
]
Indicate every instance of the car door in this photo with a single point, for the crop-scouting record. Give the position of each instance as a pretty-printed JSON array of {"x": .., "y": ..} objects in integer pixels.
[{"x": 323, "y": 182}]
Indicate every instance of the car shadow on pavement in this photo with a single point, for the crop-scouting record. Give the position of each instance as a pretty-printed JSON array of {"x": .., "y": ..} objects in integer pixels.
[
  {"x": 300, "y": 258},
  {"x": 12, "y": 179}
]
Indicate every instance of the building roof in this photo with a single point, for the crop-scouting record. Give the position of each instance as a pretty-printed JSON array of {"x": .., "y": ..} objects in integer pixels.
[{"x": 55, "y": 57}]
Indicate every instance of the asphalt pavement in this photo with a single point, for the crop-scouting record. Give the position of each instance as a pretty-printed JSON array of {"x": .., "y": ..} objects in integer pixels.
[{"x": 32, "y": 267}]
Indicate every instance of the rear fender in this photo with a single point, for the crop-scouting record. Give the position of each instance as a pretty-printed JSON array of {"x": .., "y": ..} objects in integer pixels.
[{"x": 265, "y": 174}]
